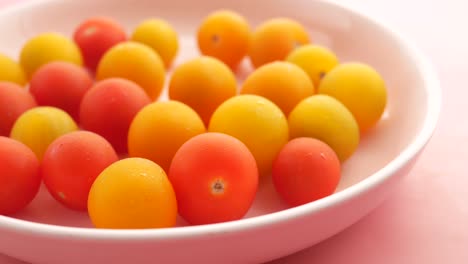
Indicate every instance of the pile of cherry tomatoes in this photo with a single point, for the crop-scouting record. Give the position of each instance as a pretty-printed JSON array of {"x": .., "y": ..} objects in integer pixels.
[{"x": 83, "y": 116}]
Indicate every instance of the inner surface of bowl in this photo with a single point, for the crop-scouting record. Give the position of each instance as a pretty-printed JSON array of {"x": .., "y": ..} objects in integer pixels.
[{"x": 350, "y": 37}]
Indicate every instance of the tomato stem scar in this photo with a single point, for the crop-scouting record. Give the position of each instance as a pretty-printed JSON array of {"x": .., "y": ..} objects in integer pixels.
[
  {"x": 215, "y": 38},
  {"x": 218, "y": 187}
]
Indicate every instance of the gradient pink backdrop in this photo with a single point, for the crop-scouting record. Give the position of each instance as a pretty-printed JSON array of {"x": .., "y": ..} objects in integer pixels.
[{"x": 426, "y": 220}]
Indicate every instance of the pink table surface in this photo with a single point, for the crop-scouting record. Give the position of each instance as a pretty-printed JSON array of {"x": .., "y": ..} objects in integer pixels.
[{"x": 426, "y": 220}]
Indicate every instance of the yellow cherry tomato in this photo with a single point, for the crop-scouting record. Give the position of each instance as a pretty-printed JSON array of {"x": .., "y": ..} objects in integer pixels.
[
  {"x": 315, "y": 60},
  {"x": 160, "y": 36},
  {"x": 361, "y": 89},
  {"x": 37, "y": 128},
  {"x": 48, "y": 47},
  {"x": 11, "y": 71},
  {"x": 326, "y": 119},
  {"x": 136, "y": 62},
  {"x": 160, "y": 129},
  {"x": 257, "y": 122},
  {"x": 132, "y": 193}
]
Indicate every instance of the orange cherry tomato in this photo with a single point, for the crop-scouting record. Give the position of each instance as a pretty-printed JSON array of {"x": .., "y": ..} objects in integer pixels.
[
  {"x": 160, "y": 128},
  {"x": 132, "y": 193},
  {"x": 225, "y": 35},
  {"x": 275, "y": 39},
  {"x": 203, "y": 84}
]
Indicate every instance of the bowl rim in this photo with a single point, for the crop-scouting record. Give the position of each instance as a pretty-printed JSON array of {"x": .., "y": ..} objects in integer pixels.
[{"x": 434, "y": 103}]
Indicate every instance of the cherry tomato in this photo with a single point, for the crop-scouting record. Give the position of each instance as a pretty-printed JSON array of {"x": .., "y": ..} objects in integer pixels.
[
  {"x": 315, "y": 60},
  {"x": 38, "y": 127},
  {"x": 132, "y": 193},
  {"x": 225, "y": 35},
  {"x": 215, "y": 179},
  {"x": 72, "y": 163},
  {"x": 48, "y": 47},
  {"x": 305, "y": 170},
  {"x": 11, "y": 71},
  {"x": 160, "y": 36},
  {"x": 203, "y": 84},
  {"x": 19, "y": 176},
  {"x": 62, "y": 85},
  {"x": 95, "y": 36},
  {"x": 327, "y": 119},
  {"x": 274, "y": 39},
  {"x": 136, "y": 62},
  {"x": 257, "y": 122},
  {"x": 361, "y": 89},
  {"x": 284, "y": 83},
  {"x": 159, "y": 129},
  {"x": 109, "y": 107},
  {"x": 9, "y": 112}
]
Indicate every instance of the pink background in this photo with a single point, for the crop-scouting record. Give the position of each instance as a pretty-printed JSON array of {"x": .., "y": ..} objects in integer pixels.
[{"x": 426, "y": 220}]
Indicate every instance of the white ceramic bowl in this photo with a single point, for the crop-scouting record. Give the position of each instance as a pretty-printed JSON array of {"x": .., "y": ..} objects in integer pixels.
[{"x": 48, "y": 233}]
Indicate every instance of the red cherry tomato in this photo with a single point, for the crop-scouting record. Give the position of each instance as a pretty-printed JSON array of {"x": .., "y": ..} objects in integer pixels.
[
  {"x": 215, "y": 179},
  {"x": 306, "y": 170},
  {"x": 19, "y": 176},
  {"x": 109, "y": 107},
  {"x": 9, "y": 111},
  {"x": 72, "y": 163},
  {"x": 61, "y": 85},
  {"x": 96, "y": 36}
]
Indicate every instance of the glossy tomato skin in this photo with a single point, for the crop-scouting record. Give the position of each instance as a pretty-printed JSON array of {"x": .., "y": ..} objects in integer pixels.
[
  {"x": 257, "y": 122},
  {"x": 203, "y": 83},
  {"x": 132, "y": 193},
  {"x": 109, "y": 107},
  {"x": 160, "y": 36},
  {"x": 160, "y": 129},
  {"x": 306, "y": 170},
  {"x": 19, "y": 176},
  {"x": 96, "y": 36},
  {"x": 360, "y": 88},
  {"x": 11, "y": 71},
  {"x": 274, "y": 39},
  {"x": 225, "y": 35},
  {"x": 38, "y": 127},
  {"x": 72, "y": 163},
  {"x": 48, "y": 47},
  {"x": 61, "y": 85},
  {"x": 283, "y": 83},
  {"x": 9, "y": 112},
  {"x": 136, "y": 62},
  {"x": 332, "y": 123},
  {"x": 215, "y": 179}
]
